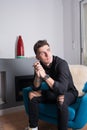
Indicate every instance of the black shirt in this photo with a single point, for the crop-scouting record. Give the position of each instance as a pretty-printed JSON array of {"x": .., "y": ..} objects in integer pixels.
[{"x": 59, "y": 71}]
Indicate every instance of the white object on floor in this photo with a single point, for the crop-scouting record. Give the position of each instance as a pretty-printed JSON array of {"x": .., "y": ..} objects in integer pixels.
[
  {"x": 33, "y": 128},
  {"x": 28, "y": 128}
]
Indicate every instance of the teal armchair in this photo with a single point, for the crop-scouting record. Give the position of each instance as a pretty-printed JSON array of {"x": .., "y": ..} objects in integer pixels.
[{"x": 77, "y": 111}]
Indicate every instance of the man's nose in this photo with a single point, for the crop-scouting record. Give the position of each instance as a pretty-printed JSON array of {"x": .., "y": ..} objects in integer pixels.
[{"x": 46, "y": 54}]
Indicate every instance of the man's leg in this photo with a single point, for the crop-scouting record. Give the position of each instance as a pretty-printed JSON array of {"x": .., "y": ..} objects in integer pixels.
[
  {"x": 62, "y": 113},
  {"x": 34, "y": 100},
  {"x": 63, "y": 101}
]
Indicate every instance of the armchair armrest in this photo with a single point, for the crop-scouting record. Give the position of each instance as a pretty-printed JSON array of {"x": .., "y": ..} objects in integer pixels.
[
  {"x": 25, "y": 97},
  {"x": 81, "y": 113}
]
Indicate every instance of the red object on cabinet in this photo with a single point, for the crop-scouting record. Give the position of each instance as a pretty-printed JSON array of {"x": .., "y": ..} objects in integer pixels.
[{"x": 20, "y": 47}]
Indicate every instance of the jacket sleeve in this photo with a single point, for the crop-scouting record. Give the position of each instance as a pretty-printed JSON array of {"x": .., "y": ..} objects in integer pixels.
[{"x": 63, "y": 78}]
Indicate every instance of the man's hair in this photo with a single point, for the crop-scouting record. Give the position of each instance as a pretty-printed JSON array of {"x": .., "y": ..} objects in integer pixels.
[{"x": 39, "y": 44}]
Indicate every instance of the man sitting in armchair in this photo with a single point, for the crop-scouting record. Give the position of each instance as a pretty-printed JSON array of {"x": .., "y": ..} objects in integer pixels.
[{"x": 62, "y": 92}]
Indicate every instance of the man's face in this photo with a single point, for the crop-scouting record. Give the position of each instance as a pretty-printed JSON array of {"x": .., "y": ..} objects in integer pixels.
[{"x": 44, "y": 55}]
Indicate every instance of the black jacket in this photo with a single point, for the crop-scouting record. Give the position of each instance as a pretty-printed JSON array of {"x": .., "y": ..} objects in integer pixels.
[{"x": 59, "y": 71}]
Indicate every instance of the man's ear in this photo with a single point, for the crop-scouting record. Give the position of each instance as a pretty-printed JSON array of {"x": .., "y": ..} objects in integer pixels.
[{"x": 37, "y": 57}]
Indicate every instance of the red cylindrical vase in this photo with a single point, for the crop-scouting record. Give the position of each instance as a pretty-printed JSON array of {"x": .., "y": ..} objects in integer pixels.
[{"x": 20, "y": 47}]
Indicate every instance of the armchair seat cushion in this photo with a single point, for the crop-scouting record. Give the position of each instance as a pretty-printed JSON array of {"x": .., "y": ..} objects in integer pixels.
[{"x": 50, "y": 110}]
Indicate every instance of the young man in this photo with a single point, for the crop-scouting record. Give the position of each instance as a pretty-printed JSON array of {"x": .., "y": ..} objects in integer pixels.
[{"x": 55, "y": 72}]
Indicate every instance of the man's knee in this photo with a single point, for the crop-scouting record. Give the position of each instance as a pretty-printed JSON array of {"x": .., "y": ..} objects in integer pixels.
[
  {"x": 31, "y": 95},
  {"x": 60, "y": 99},
  {"x": 62, "y": 106}
]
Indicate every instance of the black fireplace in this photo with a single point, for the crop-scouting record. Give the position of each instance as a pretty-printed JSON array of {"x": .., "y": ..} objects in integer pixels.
[{"x": 20, "y": 83}]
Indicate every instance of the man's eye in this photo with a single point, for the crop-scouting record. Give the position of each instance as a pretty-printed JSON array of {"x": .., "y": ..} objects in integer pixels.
[{"x": 42, "y": 53}]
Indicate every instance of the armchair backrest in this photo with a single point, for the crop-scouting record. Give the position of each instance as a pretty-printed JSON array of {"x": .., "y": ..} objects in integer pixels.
[{"x": 79, "y": 74}]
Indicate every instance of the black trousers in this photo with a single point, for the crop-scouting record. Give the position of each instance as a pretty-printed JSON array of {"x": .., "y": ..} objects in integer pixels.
[{"x": 50, "y": 97}]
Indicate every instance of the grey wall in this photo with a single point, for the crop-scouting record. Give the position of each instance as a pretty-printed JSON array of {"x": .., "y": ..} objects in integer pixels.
[
  {"x": 14, "y": 67},
  {"x": 71, "y": 26}
]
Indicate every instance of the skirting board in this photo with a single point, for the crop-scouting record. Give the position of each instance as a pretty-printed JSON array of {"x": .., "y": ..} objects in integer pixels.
[{"x": 10, "y": 110}]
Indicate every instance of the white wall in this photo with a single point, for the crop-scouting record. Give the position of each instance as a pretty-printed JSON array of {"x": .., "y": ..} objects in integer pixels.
[
  {"x": 71, "y": 24},
  {"x": 34, "y": 20}
]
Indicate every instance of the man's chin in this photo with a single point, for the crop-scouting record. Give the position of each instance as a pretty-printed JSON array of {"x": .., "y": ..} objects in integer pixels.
[{"x": 48, "y": 63}]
